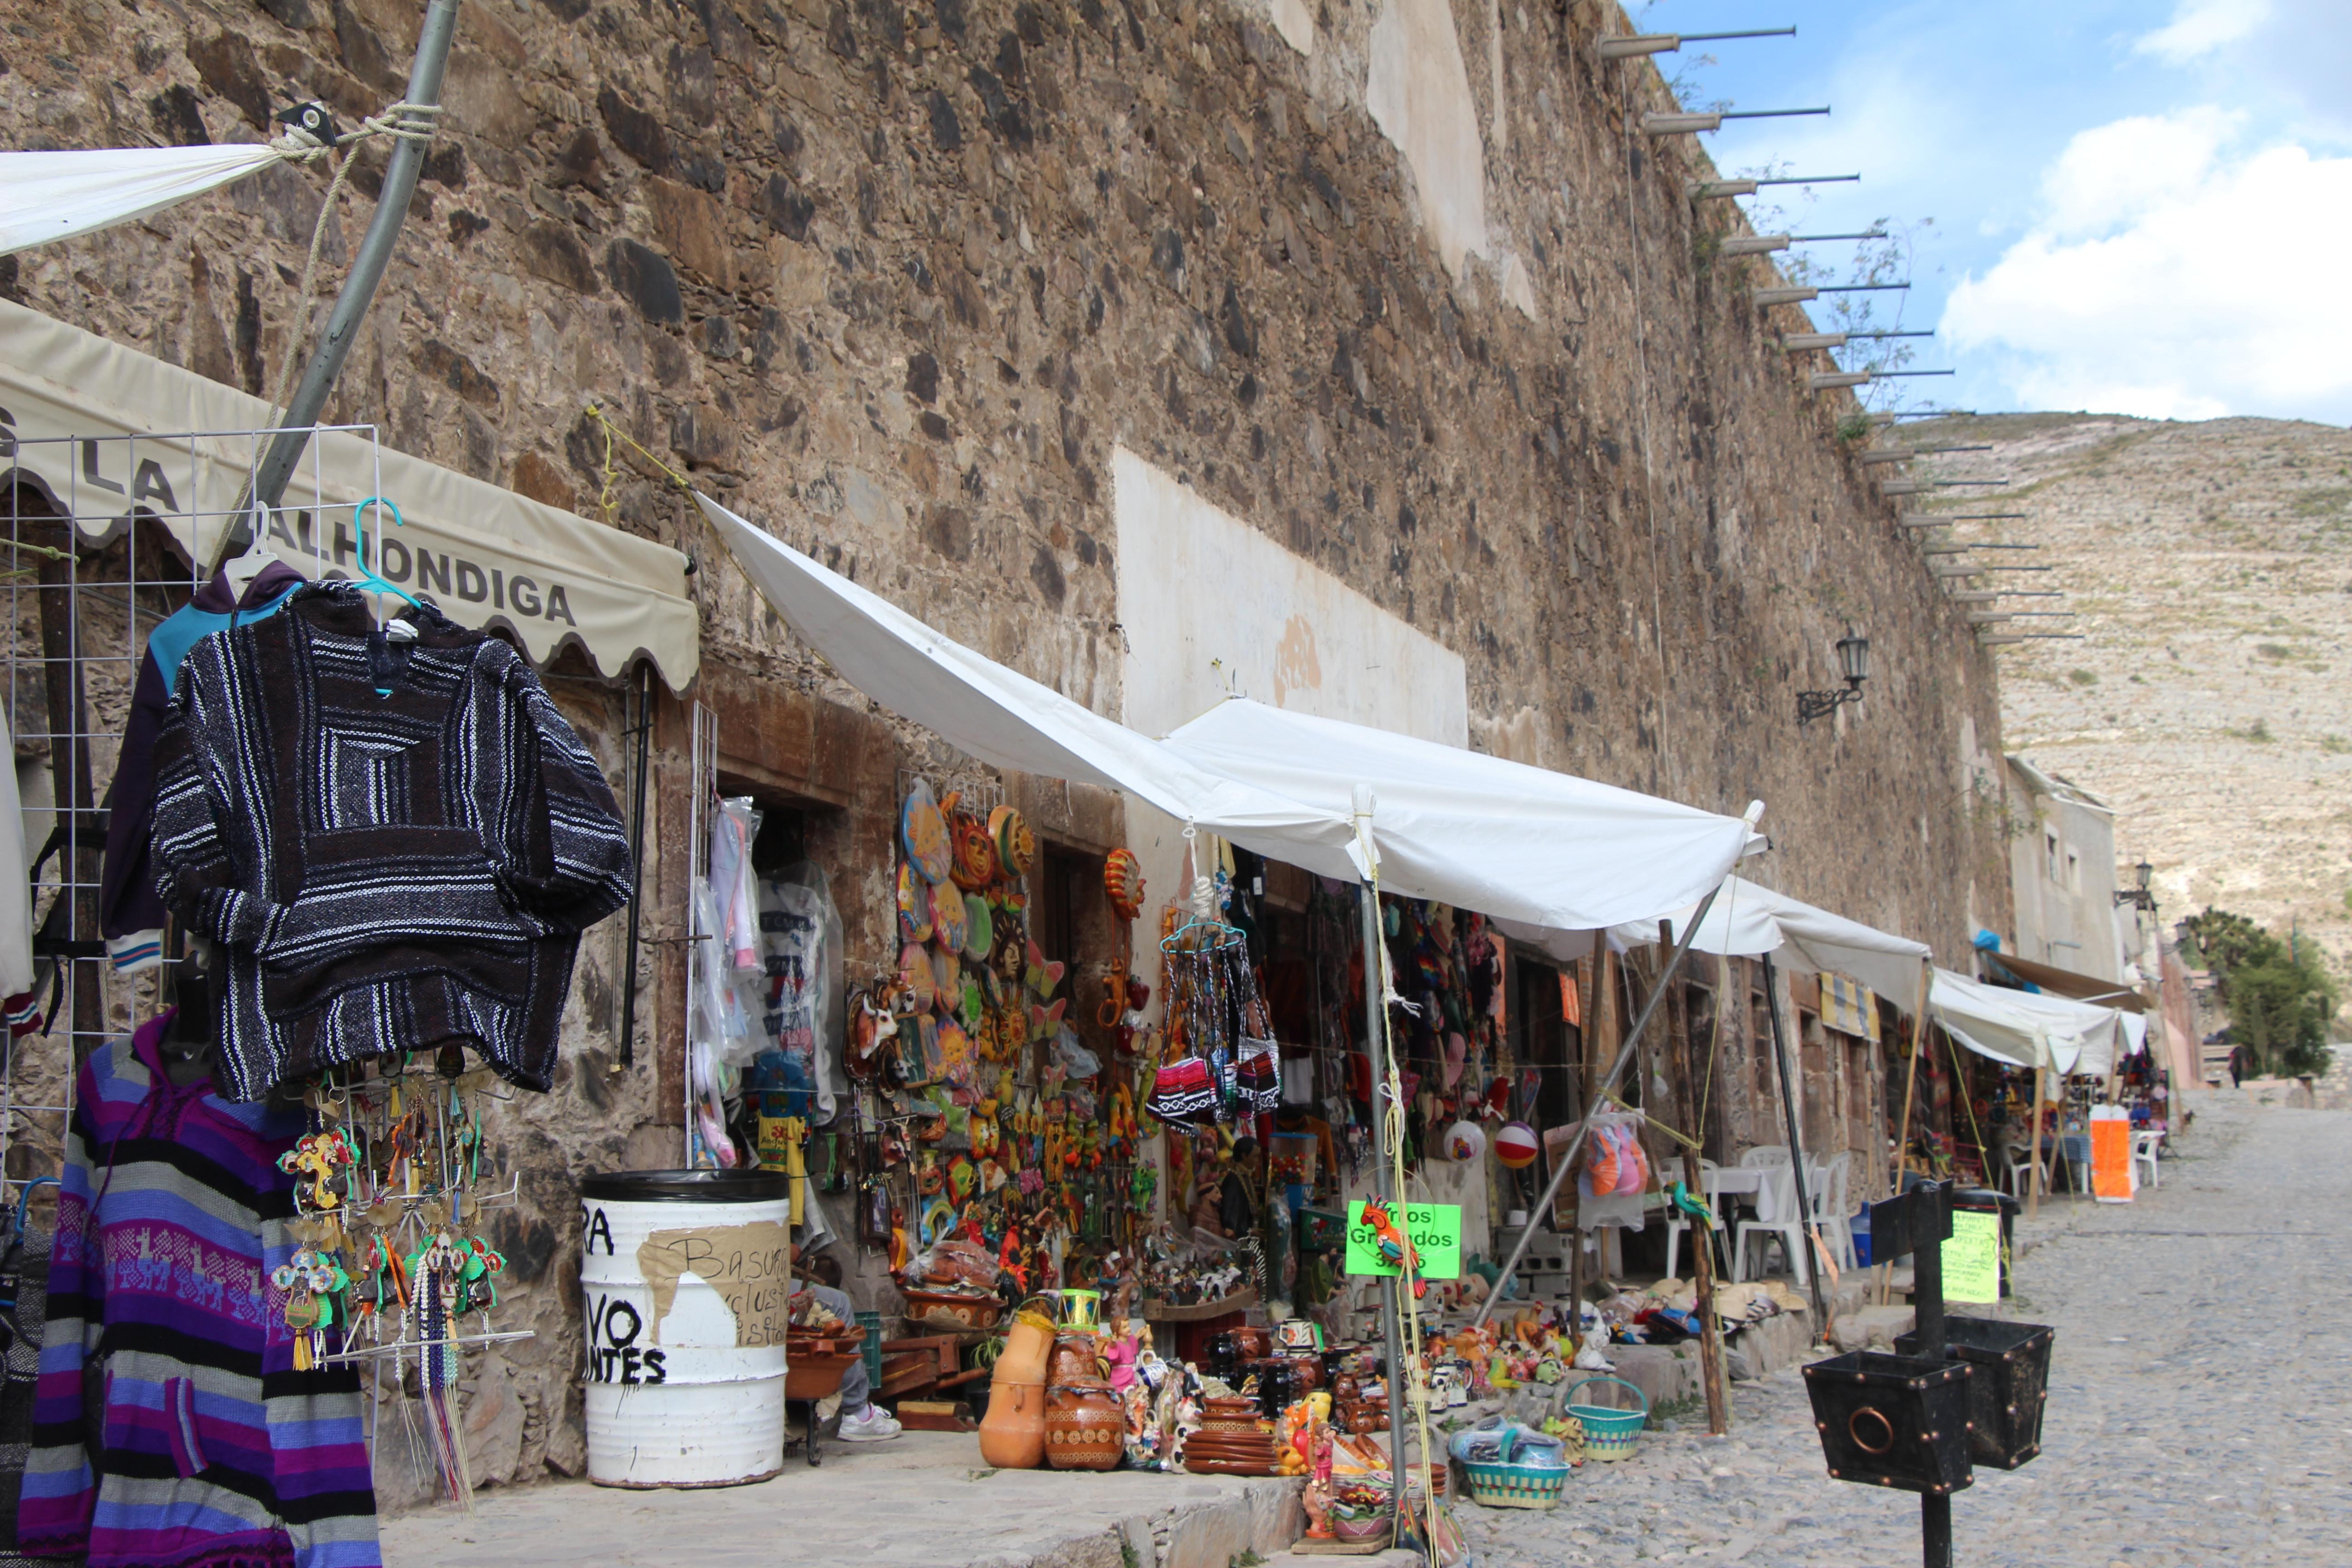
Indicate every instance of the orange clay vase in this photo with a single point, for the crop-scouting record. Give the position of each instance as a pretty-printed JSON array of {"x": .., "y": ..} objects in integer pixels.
[{"x": 1012, "y": 1434}]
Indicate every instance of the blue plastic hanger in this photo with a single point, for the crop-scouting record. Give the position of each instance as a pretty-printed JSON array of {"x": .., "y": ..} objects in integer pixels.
[{"x": 367, "y": 578}]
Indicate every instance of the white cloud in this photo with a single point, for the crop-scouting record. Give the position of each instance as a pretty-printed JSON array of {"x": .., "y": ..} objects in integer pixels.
[
  {"x": 2173, "y": 275},
  {"x": 2201, "y": 27}
]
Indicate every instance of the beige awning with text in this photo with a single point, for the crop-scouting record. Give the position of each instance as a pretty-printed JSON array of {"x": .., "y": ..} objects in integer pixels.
[{"x": 111, "y": 433}]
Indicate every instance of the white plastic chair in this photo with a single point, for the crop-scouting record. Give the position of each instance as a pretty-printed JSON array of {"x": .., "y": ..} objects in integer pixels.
[
  {"x": 1776, "y": 1214},
  {"x": 2021, "y": 1174},
  {"x": 2144, "y": 1146},
  {"x": 1766, "y": 1154},
  {"x": 1678, "y": 1222},
  {"x": 1827, "y": 1186}
]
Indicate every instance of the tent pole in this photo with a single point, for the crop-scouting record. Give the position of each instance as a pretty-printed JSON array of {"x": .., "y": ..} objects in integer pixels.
[
  {"x": 1884, "y": 1268},
  {"x": 1710, "y": 1327},
  {"x": 400, "y": 176},
  {"x": 1383, "y": 1184},
  {"x": 2034, "y": 1132},
  {"x": 1616, "y": 1071},
  {"x": 1797, "y": 1148}
]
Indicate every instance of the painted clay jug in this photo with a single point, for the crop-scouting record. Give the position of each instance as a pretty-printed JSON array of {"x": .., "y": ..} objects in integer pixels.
[
  {"x": 1085, "y": 1428},
  {"x": 1074, "y": 1360}
]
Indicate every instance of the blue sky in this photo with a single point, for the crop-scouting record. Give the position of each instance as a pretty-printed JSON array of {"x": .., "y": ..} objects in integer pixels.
[{"x": 2137, "y": 207}]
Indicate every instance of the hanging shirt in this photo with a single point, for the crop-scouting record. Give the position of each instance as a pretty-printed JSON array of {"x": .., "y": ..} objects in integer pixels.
[
  {"x": 171, "y": 1214},
  {"x": 130, "y": 914},
  {"x": 386, "y": 873}
]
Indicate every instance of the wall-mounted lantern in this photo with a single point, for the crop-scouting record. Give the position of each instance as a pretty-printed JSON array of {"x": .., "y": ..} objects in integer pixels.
[
  {"x": 2141, "y": 896},
  {"x": 1854, "y": 663}
]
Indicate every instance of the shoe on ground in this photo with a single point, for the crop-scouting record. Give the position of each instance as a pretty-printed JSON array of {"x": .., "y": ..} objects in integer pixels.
[{"x": 871, "y": 1424}]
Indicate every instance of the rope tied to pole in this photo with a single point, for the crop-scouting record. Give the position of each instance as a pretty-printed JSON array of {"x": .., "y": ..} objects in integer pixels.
[{"x": 403, "y": 121}]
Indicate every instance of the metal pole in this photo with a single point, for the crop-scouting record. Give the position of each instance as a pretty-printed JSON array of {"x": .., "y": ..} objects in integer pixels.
[
  {"x": 1927, "y": 1307},
  {"x": 1616, "y": 1071},
  {"x": 400, "y": 174},
  {"x": 636, "y": 866},
  {"x": 1796, "y": 1142},
  {"x": 1383, "y": 1180}
]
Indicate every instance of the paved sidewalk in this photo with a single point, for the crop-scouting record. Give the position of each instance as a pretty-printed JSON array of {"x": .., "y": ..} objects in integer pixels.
[
  {"x": 2200, "y": 1400},
  {"x": 920, "y": 1501}
]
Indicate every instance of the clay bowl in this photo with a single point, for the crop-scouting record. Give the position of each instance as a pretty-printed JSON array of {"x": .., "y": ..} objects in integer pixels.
[{"x": 1227, "y": 1467}]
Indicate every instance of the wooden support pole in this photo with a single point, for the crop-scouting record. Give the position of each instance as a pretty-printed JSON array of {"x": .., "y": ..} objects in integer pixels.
[
  {"x": 2033, "y": 1132},
  {"x": 1902, "y": 1144},
  {"x": 1710, "y": 1339}
]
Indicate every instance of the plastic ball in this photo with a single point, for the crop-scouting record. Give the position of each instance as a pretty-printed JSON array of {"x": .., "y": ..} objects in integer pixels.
[
  {"x": 1516, "y": 1145},
  {"x": 1465, "y": 1141}
]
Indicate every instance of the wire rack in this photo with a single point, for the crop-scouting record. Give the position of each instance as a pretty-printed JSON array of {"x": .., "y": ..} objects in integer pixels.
[{"x": 103, "y": 537}]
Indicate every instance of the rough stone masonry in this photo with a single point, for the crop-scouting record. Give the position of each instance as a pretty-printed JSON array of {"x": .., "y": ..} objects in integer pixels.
[{"x": 1401, "y": 284}]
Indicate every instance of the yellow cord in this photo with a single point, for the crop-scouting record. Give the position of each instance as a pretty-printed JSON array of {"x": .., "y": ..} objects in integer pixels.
[{"x": 612, "y": 471}]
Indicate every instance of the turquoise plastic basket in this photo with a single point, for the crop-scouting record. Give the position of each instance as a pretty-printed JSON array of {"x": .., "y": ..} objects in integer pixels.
[
  {"x": 1609, "y": 1432},
  {"x": 1515, "y": 1486}
]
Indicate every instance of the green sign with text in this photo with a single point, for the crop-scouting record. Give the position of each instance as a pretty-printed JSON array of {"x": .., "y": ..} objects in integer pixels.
[
  {"x": 1434, "y": 1229},
  {"x": 1972, "y": 1257}
]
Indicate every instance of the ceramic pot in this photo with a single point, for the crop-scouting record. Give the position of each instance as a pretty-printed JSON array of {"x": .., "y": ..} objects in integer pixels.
[
  {"x": 1074, "y": 1361},
  {"x": 1022, "y": 1359},
  {"x": 1012, "y": 1434},
  {"x": 1085, "y": 1428},
  {"x": 1305, "y": 1375},
  {"x": 1252, "y": 1344}
]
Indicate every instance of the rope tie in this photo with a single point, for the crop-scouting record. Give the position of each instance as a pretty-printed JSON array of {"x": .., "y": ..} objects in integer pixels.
[{"x": 403, "y": 121}]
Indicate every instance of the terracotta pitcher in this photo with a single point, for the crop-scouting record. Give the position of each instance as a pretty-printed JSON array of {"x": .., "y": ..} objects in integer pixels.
[
  {"x": 1084, "y": 1428},
  {"x": 1012, "y": 1434}
]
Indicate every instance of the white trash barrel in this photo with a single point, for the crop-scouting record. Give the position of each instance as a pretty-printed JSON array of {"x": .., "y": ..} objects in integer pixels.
[{"x": 685, "y": 1275}]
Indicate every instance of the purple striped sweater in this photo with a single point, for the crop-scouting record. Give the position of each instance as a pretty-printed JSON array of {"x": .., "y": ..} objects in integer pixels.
[{"x": 211, "y": 1450}]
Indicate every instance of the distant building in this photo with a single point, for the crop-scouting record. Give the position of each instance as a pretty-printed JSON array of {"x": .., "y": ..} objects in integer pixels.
[{"x": 2063, "y": 874}]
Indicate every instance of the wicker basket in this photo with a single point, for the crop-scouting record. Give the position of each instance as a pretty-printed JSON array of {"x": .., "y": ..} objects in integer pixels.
[
  {"x": 1609, "y": 1432},
  {"x": 1516, "y": 1484}
]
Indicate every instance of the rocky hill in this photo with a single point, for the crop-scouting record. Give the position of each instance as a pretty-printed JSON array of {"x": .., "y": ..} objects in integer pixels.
[{"x": 2211, "y": 566}]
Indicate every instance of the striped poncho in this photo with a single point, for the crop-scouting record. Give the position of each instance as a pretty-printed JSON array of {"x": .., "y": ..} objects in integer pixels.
[
  {"x": 398, "y": 844},
  {"x": 204, "y": 1448}
]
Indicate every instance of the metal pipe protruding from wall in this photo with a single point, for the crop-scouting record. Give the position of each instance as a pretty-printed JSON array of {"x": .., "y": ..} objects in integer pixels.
[
  {"x": 1716, "y": 190},
  {"x": 1636, "y": 45},
  {"x": 1682, "y": 125},
  {"x": 1797, "y": 293}
]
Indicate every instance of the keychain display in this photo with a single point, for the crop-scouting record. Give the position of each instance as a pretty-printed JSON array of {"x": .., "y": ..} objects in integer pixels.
[{"x": 391, "y": 1187}]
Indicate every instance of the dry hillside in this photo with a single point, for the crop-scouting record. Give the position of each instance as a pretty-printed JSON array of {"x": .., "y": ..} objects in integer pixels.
[{"x": 2211, "y": 702}]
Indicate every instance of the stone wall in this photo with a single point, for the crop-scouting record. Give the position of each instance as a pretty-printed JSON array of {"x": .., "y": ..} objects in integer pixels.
[{"x": 1405, "y": 291}]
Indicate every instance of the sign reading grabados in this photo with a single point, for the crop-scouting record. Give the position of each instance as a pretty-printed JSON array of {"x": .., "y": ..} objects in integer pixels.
[
  {"x": 694, "y": 1288},
  {"x": 1435, "y": 1230}
]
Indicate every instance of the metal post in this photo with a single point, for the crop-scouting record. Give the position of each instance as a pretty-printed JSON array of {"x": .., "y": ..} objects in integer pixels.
[
  {"x": 400, "y": 174},
  {"x": 1927, "y": 1307},
  {"x": 1616, "y": 1071},
  {"x": 636, "y": 864},
  {"x": 1796, "y": 1144},
  {"x": 1383, "y": 1184}
]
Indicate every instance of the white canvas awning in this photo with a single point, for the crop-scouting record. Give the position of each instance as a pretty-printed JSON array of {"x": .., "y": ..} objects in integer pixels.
[
  {"x": 1006, "y": 719},
  {"x": 1520, "y": 843},
  {"x": 2031, "y": 1029},
  {"x": 87, "y": 421},
  {"x": 1749, "y": 922},
  {"x": 47, "y": 196}
]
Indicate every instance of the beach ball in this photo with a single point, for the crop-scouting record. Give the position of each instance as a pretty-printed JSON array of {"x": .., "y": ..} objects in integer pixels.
[
  {"x": 1515, "y": 1146},
  {"x": 1465, "y": 1141}
]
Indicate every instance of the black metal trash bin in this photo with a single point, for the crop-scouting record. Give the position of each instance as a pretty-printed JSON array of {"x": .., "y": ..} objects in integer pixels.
[
  {"x": 2009, "y": 1388},
  {"x": 1893, "y": 1420}
]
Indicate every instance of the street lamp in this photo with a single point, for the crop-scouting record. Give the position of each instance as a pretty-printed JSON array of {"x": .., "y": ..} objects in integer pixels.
[
  {"x": 1854, "y": 663},
  {"x": 2141, "y": 897}
]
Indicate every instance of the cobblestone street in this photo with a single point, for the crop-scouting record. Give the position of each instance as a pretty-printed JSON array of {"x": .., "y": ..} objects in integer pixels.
[{"x": 2201, "y": 1399}]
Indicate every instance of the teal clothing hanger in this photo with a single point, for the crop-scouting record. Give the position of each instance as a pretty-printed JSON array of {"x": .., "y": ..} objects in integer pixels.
[{"x": 367, "y": 578}]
